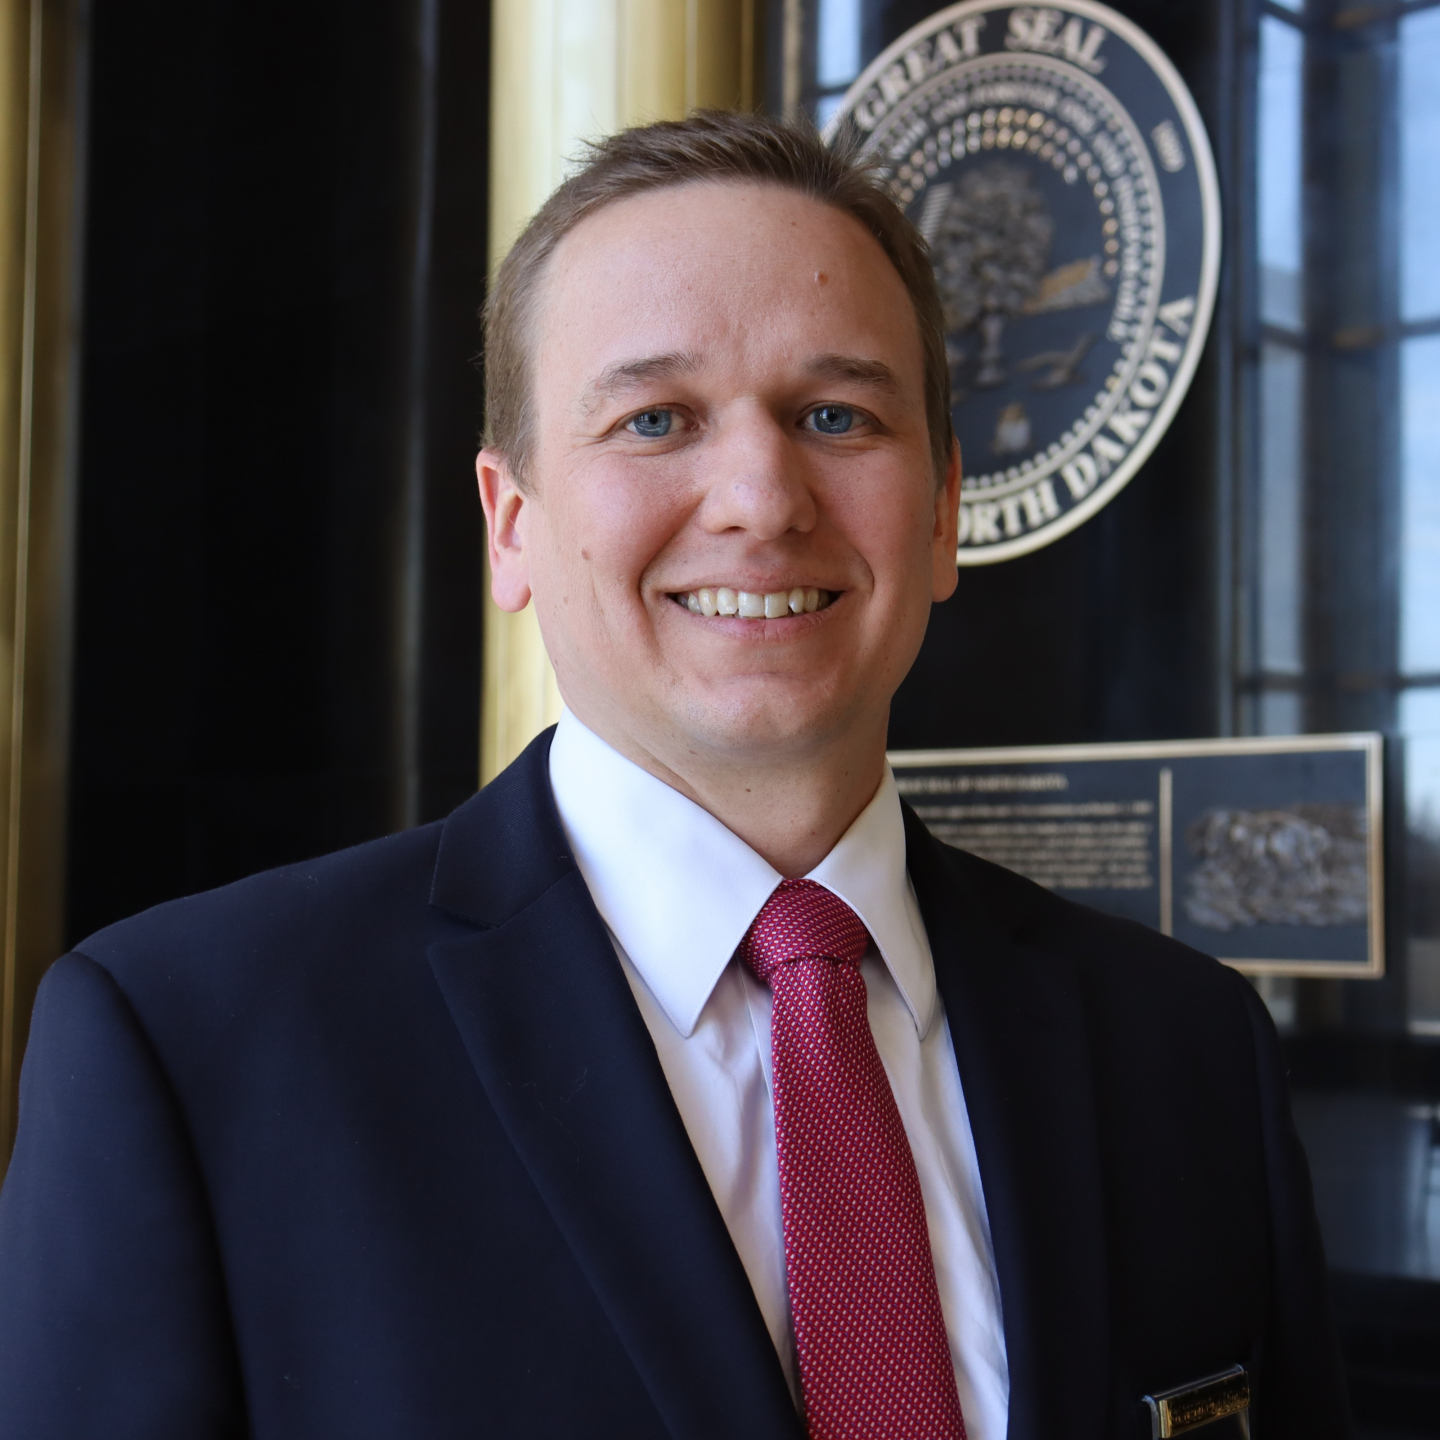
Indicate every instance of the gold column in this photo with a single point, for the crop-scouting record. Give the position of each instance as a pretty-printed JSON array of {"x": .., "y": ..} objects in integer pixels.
[
  {"x": 38, "y": 146},
  {"x": 562, "y": 71}
]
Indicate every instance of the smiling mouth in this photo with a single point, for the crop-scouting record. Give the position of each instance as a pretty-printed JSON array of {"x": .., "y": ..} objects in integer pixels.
[{"x": 751, "y": 604}]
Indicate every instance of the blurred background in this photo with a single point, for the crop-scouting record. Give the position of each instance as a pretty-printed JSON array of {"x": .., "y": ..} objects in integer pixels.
[{"x": 242, "y": 617}]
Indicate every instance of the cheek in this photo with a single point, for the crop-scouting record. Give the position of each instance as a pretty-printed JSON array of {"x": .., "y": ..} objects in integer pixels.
[
  {"x": 894, "y": 535},
  {"x": 614, "y": 528}
]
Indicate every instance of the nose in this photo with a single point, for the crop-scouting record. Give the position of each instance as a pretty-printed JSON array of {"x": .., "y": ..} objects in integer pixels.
[{"x": 756, "y": 480}]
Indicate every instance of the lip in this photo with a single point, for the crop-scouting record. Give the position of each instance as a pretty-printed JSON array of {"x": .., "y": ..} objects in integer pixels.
[{"x": 755, "y": 587}]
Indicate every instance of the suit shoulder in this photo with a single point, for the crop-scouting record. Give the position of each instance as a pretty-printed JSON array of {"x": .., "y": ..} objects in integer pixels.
[
  {"x": 359, "y": 886},
  {"x": 1103, "y": 946}
]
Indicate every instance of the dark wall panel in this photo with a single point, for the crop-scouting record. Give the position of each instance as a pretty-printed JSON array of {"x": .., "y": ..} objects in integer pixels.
[
  {"x": 1107, "y": 634},
  {"x": 279, "y": 542}
]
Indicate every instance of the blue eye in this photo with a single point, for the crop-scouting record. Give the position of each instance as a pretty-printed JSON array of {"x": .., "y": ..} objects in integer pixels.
[
  {"x": 833, "y": 419},
  {"x": 652, "y": 424}
]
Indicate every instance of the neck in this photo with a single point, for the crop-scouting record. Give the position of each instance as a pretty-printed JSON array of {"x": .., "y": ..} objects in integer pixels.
[{"x": 791, "y": 809}]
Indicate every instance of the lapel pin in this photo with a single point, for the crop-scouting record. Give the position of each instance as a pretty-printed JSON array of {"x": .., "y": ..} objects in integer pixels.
[{"x": 1201, "y": 1402}]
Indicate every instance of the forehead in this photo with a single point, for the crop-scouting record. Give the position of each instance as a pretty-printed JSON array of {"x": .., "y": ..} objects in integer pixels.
[{"x": 717, "y": 266}]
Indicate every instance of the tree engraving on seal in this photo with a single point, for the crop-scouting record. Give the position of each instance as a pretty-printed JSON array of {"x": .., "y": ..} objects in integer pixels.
[{"x": 990, "y": 252}]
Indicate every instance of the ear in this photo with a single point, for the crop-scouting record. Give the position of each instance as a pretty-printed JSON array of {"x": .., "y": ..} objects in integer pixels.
[
  {"x": 506, "y": 517},
  {"x": 946, "y": 540}
]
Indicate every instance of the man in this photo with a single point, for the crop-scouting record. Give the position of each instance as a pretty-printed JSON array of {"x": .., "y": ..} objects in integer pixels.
[{"x": 679, "y": 1084}]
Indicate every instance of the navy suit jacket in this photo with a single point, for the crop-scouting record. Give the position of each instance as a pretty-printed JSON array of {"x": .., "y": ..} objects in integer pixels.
[{"x": 379, "y": 1146}]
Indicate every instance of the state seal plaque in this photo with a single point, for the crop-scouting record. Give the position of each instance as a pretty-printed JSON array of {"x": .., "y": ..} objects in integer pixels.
[{"x": 1057, "y": 166}]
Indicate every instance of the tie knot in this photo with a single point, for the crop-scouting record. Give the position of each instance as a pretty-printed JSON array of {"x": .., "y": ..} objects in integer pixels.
[{"x": 802, "y": 920}]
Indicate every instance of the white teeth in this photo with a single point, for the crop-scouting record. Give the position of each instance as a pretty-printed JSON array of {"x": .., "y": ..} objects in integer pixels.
[{"x": 752, "y": 604}]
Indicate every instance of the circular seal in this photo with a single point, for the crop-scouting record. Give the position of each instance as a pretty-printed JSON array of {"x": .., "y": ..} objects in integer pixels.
[{"x": 1056, "y": 165}]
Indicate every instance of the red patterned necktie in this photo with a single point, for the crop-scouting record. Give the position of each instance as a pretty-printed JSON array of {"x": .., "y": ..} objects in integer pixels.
[{"x": 874, "y": 1360}]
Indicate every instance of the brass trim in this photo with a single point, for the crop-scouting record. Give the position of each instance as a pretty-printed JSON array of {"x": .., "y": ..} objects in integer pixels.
[
  {"x": 1165, "y": 820},
  {"x": 1138, "y": 750},
  {"x": 40, "y": 44},
  {"x": 792, "y": 41}
]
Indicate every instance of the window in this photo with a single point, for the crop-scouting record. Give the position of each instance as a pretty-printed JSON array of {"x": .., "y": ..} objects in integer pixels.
[
  {"x": 837, "y": 52},
  {"x": 1338, "y": 549}
]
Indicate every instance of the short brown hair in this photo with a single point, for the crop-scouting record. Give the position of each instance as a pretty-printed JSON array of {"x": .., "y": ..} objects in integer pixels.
[{"x": 713, "y": 145}]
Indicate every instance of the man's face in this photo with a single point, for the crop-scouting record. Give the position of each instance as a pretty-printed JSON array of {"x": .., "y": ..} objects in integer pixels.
[{"x": 729, "y": 398}]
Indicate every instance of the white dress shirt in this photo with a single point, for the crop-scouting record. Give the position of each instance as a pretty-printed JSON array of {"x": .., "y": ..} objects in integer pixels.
[{"x": 678, "y": 891}]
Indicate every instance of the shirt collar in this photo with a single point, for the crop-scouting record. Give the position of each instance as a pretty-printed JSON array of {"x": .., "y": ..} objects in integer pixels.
[
  {"x": 678, "y": 890},
  {"x": 866, "y": 869}
]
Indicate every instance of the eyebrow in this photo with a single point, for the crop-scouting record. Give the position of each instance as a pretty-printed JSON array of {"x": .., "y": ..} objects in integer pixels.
[
  {"x": 851, "y": 367},
  {"x": 626, "y": 375}
]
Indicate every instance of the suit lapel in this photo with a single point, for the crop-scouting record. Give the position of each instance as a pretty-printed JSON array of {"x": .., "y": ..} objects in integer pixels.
[
  {"x": 562, "y": 1051},
  {"x": 1018, "y": 1024}
]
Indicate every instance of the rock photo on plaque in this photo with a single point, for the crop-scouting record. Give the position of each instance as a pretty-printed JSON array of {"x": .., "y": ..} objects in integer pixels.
[
  {"x": 1057, "y": 166},
  {"x": 1265, "y": 853}
]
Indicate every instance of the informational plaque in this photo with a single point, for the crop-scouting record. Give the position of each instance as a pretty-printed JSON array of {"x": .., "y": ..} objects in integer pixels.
[{"x": 1265, "y": 853}]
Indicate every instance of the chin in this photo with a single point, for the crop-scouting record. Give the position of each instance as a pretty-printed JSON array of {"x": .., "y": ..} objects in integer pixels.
[{"x": 767, "y": 723}]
